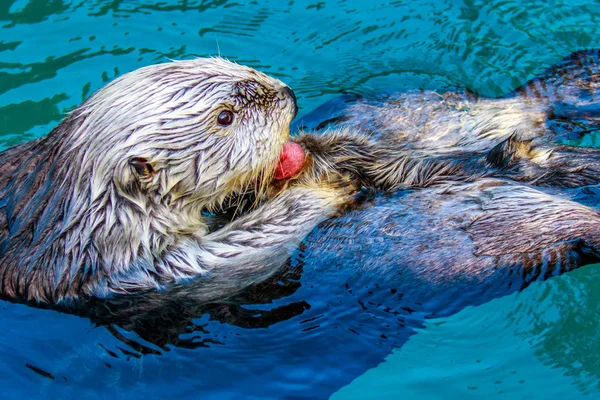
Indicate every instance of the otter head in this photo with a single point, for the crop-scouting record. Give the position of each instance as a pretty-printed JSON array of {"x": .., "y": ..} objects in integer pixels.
[{"x": 185, "y": 133}]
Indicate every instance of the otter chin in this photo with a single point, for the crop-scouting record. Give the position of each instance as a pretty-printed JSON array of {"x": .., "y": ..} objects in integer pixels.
[{"x": 115, "y": 198}]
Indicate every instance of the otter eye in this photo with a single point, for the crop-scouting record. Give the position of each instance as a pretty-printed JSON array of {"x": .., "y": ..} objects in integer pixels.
[{"x": 225, "y": 118}]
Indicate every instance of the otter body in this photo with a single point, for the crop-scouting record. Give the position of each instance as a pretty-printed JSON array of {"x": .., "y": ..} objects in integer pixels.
[{"x": 115, "y": 199}]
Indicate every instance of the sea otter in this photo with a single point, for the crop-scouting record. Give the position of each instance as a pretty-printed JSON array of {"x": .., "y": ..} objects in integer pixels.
[{"x": 115, "y": 199}]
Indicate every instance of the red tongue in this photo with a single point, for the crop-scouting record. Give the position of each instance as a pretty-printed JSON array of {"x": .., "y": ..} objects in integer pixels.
[{"x": 291, "y": 160}]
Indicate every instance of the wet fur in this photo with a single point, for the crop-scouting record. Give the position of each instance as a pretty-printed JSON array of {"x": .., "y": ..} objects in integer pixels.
[
  {"x": 472, "y": 223},
  {"x": 115, "y": 198},
  {"x": 416, "y": 140}
]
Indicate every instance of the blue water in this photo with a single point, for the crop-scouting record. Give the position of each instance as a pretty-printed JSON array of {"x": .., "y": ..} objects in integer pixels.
[{"x": 313, "y": 335}]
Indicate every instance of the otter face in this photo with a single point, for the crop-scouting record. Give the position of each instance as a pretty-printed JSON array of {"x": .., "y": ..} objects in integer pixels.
[{"x": 185, "y": 132}]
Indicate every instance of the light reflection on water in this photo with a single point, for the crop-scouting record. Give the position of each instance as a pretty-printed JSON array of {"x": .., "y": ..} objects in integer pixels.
[{"x": 53, "y": 54}]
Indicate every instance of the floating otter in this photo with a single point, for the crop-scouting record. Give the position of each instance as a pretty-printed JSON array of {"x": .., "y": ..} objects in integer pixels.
[
  {"x": 114, "y": 200},
  {"x": 485, "y": 211}
]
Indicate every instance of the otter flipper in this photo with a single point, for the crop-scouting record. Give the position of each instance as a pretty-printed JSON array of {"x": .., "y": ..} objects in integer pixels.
[
  {"x": 571, "y": 91},
  {"x": 540, "y": 164}
]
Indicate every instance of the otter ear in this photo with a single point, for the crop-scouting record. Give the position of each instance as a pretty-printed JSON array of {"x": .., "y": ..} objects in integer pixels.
[{"x": 142, "y": 166}]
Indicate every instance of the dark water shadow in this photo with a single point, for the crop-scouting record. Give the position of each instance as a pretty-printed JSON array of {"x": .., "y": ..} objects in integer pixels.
[{"x": 163, "y": 319}]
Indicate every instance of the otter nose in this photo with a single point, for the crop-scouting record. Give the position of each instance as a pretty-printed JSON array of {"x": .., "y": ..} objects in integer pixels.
[{"x": 289, "y": 92}]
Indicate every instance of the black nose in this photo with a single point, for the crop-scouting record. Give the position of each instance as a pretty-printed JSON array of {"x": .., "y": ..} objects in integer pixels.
[{"x": 291, "y": 94}]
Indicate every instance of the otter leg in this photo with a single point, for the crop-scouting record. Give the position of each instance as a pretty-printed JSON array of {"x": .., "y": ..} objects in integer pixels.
[
  {"x": 255, "y": 245},
  {"x": 388, "y": 166},
  {"x": 385, "y": 165}
]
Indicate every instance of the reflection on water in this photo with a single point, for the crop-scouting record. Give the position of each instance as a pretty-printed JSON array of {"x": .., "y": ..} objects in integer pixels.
[
  {"x": 165, "y": 319},
  {"x": 563, "y": 330},
  {"x": 302, "y": 334}
]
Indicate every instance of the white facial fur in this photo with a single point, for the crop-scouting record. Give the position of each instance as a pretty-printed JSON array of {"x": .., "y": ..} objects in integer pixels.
[{"x": 166, "y": 114}]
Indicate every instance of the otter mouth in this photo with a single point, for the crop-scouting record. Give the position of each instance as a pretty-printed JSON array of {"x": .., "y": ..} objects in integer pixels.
[
  {"x": 253, "y": 190},
  {"x": 291, "y": 157}
]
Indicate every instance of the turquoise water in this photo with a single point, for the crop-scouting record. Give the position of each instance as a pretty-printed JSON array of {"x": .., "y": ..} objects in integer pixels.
[{"x": 540, "y": 343}]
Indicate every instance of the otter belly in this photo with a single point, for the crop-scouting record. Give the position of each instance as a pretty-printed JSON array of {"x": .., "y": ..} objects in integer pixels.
[{"x": 448, "y": 247}]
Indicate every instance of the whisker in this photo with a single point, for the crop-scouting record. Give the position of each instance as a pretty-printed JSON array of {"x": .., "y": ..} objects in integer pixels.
[{"x": 241, "y": 198}]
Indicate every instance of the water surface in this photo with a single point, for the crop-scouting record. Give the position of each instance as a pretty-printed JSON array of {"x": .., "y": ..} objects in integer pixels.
[{"x": 312, "y": 336}]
